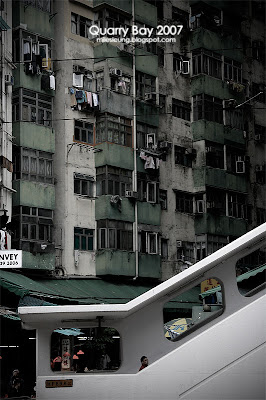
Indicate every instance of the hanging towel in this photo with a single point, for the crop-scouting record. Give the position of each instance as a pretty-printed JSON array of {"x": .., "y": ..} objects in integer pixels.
[
  {"x": 142, "y": 155},
  {"x": 89, "y": 98},
  {"x": 149, "y": 163},
  {"x": 95, "y": 99},
  {"x": 52, "y": 82}
]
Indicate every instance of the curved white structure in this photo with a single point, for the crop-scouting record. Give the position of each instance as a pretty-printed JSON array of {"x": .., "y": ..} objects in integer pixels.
[{"x": 223, "y": 359}]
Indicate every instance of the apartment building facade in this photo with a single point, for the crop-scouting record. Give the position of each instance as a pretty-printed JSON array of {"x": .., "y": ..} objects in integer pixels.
[{"x": 135, "y": 160}]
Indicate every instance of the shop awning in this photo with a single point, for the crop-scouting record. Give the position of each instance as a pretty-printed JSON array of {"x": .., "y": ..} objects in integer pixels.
[
  {"x": 239, "y": 279},
  {"x": 3, "y": 25},
  {"x": 82, "y": 290}
]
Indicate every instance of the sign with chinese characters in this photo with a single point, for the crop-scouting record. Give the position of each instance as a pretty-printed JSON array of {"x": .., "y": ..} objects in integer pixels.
[
  {"x": 59, "y": 383},
  {"x": 65, "y": 354},
  {"x": 10, "y": 258},
  {"x": 209, "y": 284}
]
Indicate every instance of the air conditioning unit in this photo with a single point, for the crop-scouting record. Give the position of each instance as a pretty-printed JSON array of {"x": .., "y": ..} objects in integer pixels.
[
  {"x": 165, "y": 145},
  {"x": 210, "y": 149},
  {"x": 131, "y": 194},
  {"x": 150, "y": 97},
  {"x": 240, "y": 167},
  {"x": 191, "y": 152},
  {"x": 116, "y": 71},
  {"x": 199, "y": 206},
  {"x": 9, "y": 80}
]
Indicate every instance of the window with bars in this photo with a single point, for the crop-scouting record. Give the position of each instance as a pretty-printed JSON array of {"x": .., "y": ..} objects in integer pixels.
[
  {"x": 147, "y": 189},
  {"x": 237, "y": 205},
  {"x": 80, "y": 25},
  {"x": 145, "y": 84},
  {"x": 184, "y": 202},
  {"x": 163, "y": 199},
  {"x": 83, "y": 239},
  {"x": 114, "y": 129},
  {"x": 181, "y": 109},
  {"x": 32, "y": 107},
  {"x": 181, "y": 158},
  {"x": 232, "y": 70},
  {"x": 142, "y": 131},
  {"x": 117, "y": 235},
  {"x": 214, "y": 155},
  {"x": 33, "y": 165},
  {"x": 34, "y": 225},
  {"x": 44, "y": 5},
  {"x": 185, "y": 252},
  {"x": 206, "y": 62},
  {"x": 234, "y": 156},
  {"x": 180, "y": 16},
  {"x": 83, "y": 132},
  {"x": 107, "y": 18},
  {"x": 83, "y": 185},
  {"x": 207, "y": 107},
  {"x": 148, "y": 242},
  {"x": 113, "y": 181}
]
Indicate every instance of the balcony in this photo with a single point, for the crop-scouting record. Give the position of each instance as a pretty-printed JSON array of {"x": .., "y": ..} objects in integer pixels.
[
  {"x": 220, "y": 225},
  {"x": 122, "y": 263},
  {"x": 38, "y": 261},
  {"x": 104, "y": 209},
  {"x": 149, "y": 213},
  {"x": 34, "y": 194},
  {"x": 116, "y": 103},
  {"x": 219, "y": 178},
  {"x": 115, "y": 155},
  {"x": 28, "y": 134}
]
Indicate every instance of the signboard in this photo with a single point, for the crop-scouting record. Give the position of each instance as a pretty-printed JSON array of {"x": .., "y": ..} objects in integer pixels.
[
  {"x": 10, "y": 258},
  {"x": 59, "y": 383},
  {"x": 209, "y": 284}
]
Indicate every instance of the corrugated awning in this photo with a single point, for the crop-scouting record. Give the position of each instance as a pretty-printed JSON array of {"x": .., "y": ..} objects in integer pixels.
[
  {"x": 3, "y": 25},
  {"x": 83, "y": 291},
  {"x": 239, "y": 279}
]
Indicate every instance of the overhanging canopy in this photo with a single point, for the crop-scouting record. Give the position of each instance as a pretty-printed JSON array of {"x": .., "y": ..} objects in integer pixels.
[
  {"x": 83, "y": 290},
  {"x": 240, "y": 278}
]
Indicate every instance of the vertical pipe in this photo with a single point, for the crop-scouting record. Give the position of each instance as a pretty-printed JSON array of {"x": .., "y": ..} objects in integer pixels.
[{"x": 135, "y": 182}]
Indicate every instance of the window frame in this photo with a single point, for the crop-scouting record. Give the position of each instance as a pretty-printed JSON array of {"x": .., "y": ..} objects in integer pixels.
[
  {"x": 83, "y": 129},
  {"x": 181, "y": 109},
  {"x": 80, "y": 236}
]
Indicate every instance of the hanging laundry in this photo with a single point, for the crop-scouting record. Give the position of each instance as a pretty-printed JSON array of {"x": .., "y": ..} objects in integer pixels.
[
  {"x": 149, "y": 164},
  {"x": 89, "y": 98},
  {"x": 73, "y": 100},
  {"x": 78, "y": 80},
  {"x": 143, "y": 155},
  {"x": 95, "y": 99},
  {"x": 80, "y": 96},
  {"x": 52, "y": 82}
]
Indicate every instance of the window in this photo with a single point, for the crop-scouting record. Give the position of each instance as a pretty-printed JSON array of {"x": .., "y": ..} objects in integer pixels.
[
  {"x": 107, "y": 18},
  {"x": 43, "y": 5},
  {"x": 116, "y": 235},
  {"x": 181, "y": 157},
  {"x": 260, "y": 134},
  {"x": 257, "y": 88},
  {"x": 237, "y": 205},
  {"x": 83, "y": 185},
  {"x": 147, "y": 189},
  {"x": 234, "y": 159},
  {"x": 114, "y": 129},
  {"x": 113, "y": 180},
  {"x": 208, "y": 244},
  {"x": 145, "y": 84},
  {"x": 120, "y": 84},
  {"x": 164, "y": 248},
  {"x": 180, "y": 64},
  {"x": 232, "y": 70},
  {"x": 215, "y": 201},
  {"x": 214, "y": 155},
  {"x": 34, "y": 225},
  {"x": 163, "y": 199},
  {"x": 83, "y": 239},
  {"x": 142, "y": 131},
  {"x": 180, "y": 17},
  {"x": 83, "y": 132},
  {"x": 258, "y": 51},
  {"x": 207, "y": 62},
  {"x": 148, "y": 242},
  {"x": 261, "y": 215},
  {"x": 206, "y": 16},
  {"x": 80, "y": 25},
  {"x": 33, "y": 165},
  {"x": 184, "y": 202},
  {"x": 181, "y": 109},
  {"x": 32, "y": 107},
  {"x": 185, "y": 251},
  {"x": 234, "y": 118},
  {"x": 207, "y": 107}
]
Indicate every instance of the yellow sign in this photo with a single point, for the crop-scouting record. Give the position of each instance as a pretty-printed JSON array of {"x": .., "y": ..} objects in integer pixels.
[
  {"x": 209, "y": 284},
  {"x": 59, "y": 383}
]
